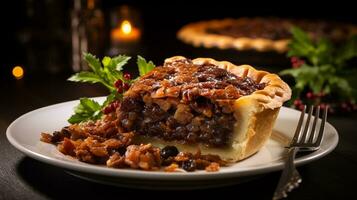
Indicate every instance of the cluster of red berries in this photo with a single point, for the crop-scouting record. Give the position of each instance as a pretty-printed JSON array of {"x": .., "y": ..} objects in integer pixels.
[
  {"x": 111, "y": 107},
  {"x": 348, "y": 106},
  {"x": 311, "y": 96},
  {"x": 120, "y": 86},
  {"x": 316, "y": 98},
  {"x": 298, "y": 103},
  {"x": 296, "y": 62},
  {"x": 123, "y": 86}
]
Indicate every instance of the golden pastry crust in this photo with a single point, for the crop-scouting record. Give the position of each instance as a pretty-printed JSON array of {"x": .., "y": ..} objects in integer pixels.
[
  {"x": 197, "y": 35},
  {"x": 255, "y": 114}
]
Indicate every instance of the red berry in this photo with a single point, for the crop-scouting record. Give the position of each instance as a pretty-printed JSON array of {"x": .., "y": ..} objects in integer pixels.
[
  {"x": 115, "y": 104},
  {"x": 298, "y": 64},
  {"x": 310, "y": 95},
  {"x": 344, "y": 105},
  {"x": 118, "y": 83},
  {"x": 297, "y": 102},
  {"x": 322, "y": 106},
  {"x": 126, "y": 86},
  {"x": 294, "y": 59},
  {"x": 108, "y": 109},
  {"x": 127, "y": 76},
  {"x": 120, "y": 89},
  {"x": 301, "y": 107},
  {"x": 111, "y": 107}
]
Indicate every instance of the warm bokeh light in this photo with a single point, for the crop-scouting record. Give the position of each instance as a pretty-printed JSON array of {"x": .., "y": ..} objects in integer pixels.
[
  {"x": 18, "y": 72},
  {"x": 91, "y": 4},
  {"x": 126, "y": 27},
  {"x": 126, "y": 32}
]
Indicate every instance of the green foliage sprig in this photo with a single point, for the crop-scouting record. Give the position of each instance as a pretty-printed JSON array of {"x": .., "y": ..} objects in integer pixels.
[
  {"x": 322, "y": 67},
  {"x": 108, "y": 73}
]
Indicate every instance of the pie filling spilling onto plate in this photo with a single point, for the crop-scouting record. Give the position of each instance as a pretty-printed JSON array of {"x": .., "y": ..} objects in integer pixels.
[{"x": 186, "y": 103}]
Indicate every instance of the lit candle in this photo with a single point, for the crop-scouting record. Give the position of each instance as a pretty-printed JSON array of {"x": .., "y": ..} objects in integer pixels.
[{"x": 125, "y": 33}]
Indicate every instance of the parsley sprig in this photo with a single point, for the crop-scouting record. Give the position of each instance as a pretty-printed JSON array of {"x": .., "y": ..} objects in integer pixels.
[{"x": 106, "y": 72}]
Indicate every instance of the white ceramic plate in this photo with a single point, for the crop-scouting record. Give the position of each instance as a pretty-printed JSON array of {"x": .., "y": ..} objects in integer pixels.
[{"x": 24, "y": 134}]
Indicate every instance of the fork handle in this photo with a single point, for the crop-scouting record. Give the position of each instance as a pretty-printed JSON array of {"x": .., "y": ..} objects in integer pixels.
[{"x": 289, "y": 175}]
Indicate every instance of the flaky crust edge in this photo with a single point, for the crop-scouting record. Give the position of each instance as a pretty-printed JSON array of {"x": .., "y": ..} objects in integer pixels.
[
  {"x": 196, "y": 35},
  {"x": 255, "y": 113}
]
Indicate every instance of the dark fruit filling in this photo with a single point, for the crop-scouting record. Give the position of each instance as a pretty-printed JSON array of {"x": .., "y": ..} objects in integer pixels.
[{"x": 186, "y": 103}]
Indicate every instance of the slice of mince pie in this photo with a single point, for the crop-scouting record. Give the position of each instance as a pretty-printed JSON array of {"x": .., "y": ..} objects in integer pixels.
[{"x": 204, "y": 105}]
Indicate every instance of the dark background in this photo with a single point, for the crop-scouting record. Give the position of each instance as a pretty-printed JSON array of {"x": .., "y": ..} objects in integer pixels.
[{"x": 36, "y": 35}]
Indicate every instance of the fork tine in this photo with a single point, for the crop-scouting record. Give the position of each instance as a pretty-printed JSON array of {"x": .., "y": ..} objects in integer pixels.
[
  {"x": 322, "y": 127},
  {"x": 312, "y": 132},
  {"x": 307, "y": 124},
  {"x": 298, "y": 128}
]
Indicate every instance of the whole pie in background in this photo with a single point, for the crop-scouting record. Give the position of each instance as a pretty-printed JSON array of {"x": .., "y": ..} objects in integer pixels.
[{"x": 260, "y": 34}]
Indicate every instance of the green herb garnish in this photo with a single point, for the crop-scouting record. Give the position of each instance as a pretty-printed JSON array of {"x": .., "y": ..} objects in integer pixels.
[
  {"x": 144, "y": 67},
  {"x": 323, "y": 68},
  {"x": 87, "y": 109},
  {"x": 108, "y": 73}
]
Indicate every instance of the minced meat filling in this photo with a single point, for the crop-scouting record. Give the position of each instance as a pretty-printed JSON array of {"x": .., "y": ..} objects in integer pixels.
[{"x": 185, "y": 102}]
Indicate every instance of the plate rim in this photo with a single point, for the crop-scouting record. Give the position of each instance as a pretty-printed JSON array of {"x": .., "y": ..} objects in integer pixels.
[{"x": 154, "y": 175}]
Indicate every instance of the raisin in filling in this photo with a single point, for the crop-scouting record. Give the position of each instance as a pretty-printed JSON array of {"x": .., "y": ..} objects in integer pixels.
[{"x": 186, "y": 103}]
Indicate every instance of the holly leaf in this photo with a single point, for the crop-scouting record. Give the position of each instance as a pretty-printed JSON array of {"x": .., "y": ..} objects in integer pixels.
[
  {"x": 118, "y": 62},
  {"x": 144, "y": 67},
  {"x": 85, "y": 77},
  {"x": 106, "y": 72},
  {"x": 87, "y": 109},
  {"x": 93, "y": 62},
  {"x": 300, "y": 44},
  {"x": 106, "y": 61},
  {"x": 347, "y": 51}
]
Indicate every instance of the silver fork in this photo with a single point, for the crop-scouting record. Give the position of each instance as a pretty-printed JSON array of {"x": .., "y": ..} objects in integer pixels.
[{"x": 302, "y": 141}]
